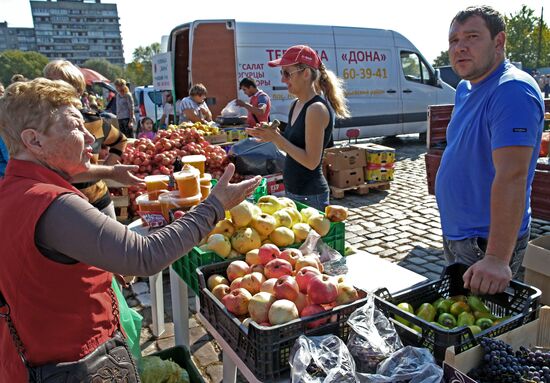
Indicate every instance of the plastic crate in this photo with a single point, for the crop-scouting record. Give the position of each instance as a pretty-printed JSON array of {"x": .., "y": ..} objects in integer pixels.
[
  {"x": 336, "y": 237},
  {"x": 185, "y": 266},
  {"x": 265, "y": 350},
  {"x": 259, "y": 192},
  {"x": 519, "y": 301},
  {"x": 181, "y": 356}
]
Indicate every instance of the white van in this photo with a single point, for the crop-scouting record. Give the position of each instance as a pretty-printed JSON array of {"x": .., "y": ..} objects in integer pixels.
[
  {"x": 148, "y": 102},
  {"x": 389, "y": 84}
]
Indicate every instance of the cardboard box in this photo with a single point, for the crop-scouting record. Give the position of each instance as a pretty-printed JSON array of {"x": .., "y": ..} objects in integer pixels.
[
  {"x": 378, "y": 154},
  {"x": 345, "y": 158},
  {"x": 535, "y": 333},
  {"x": 275, "y": 185},
  {"x": 537, "y": 266},
  {"x": 346, "y": 178},
  {"x": 373, "y": 175}
]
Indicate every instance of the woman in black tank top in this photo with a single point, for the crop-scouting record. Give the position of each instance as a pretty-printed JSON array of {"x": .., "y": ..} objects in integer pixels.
[{"x": 310, "y": 122}]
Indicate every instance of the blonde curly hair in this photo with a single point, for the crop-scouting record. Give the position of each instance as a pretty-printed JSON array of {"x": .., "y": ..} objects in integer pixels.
[{"x": 32, "y": 105}]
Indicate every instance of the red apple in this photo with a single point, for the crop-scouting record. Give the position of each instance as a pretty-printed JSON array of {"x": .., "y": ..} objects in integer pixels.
[
  {"x": 322, "y": 289},
  {"x": 252, "y": 282},
  {"x": 237, "y": 269},
  {"x": 236, "y": 301},
  {"x": 291, "y": 255},
  {"x": 268, "y": 286},
  {"x": 216, "y": 279},
  {"x": 277, "y": 268},
  {"x": 308, "y": 260},
  {"x": 282, "y": 311},
  {"x": 312, "y": 310},
  {"x": 304, "y": 276},
  {"x": 236, "y": 284},
  {"x": 301, "y": 302},
  {"x": 221, "y": 291},
  {"x": 259, "y": 306},
  {"x": 252, "y": 257},
  {"x": 268, "y": 252},
  {"x": 346, "y": 294},
  {"x": 286, "y": 288},
  {"x": 257, "y": 269}
]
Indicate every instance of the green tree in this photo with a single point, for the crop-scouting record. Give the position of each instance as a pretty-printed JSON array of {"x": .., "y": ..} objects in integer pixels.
[
  {"x": 104, "y": 67},
  {"x": 139, "y": 71},
  {"x": 442, "y": 59},
  {"x": 142, "y": 54},
  {"x": 29, "y": 64},
  {"x": 523, "y": 38}
]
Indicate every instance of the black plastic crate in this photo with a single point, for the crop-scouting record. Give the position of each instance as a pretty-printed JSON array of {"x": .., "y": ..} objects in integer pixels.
[
  {"x": 265, "y": 350},
  {"x": 519, "y": 301},
  {"x": 181, "y": 356}
]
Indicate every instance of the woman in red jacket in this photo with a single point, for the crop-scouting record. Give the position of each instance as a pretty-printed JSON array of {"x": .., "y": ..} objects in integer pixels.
[{"x": 59, "y": 252}]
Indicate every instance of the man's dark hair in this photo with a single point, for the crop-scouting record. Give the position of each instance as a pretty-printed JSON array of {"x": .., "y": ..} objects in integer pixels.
[
  {"x": 493, "y": 19},
  {"x": 247, "y": 82}
]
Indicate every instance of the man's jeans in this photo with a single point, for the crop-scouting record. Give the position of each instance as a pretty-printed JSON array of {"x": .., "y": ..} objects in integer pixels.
[{"x": 470, "y": 250}]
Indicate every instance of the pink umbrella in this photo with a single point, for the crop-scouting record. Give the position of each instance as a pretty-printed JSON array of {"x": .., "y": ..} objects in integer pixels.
[{"x": 91, "y": 76}]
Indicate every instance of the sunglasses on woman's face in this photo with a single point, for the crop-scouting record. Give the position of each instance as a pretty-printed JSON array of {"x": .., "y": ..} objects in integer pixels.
[{"x": 287, "y": 74}]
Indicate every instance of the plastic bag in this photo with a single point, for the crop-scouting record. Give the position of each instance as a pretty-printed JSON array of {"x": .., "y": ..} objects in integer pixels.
[
  {"x": 233, "y": 110},
  {"x": 130, "y": 320},
  {"x": 333, "y": 262},
  {"x": 410, "y": 364},
  {"x": 372, "y": 337},
  {"x": 321, "y": 359},
  {"x": 256, "y": 158}
]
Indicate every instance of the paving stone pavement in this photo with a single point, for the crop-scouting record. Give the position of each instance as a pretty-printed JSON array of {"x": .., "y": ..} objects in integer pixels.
[{"x": 400, "y": 225}]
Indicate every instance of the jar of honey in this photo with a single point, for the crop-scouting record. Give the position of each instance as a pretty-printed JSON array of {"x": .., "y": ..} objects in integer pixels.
[
  {"x": 156, "y": 184},
  {"x": 188, "y": 181},
  {"x": 206, "y": 185},
  {"x": 197, "y": 161},
  {"x": 145, "y": 203},
  {"x": 172, "y": 201}
]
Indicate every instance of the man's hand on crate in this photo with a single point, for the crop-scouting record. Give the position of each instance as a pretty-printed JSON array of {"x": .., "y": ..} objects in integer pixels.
[
  {"x": 231, "y": 195},
  {"x": 490, "y": 275}
]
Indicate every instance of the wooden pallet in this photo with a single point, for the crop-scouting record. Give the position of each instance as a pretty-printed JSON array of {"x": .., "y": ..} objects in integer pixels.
[
  {"x": 121, "y": 203},
  {"x": 363, "y": 189}
]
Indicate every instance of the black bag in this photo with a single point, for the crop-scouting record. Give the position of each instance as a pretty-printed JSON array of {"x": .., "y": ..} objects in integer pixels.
[
  {"x": 256, "y": 158},
  {"x": 111, "y": 362}
]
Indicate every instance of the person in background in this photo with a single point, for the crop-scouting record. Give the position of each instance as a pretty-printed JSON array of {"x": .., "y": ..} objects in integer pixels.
[
  {"x": 259, "y": 106},
  {"x": 483, "y": 185},
  {"x": 319, "y": 94},
  {"x": 546, "y": 87},
  {"x": 167, "y": 117},
  {"x": 65, "y": 250},
  {"x": 85, "y": 100},
  {"x": 147, "y": 128},
  {"x": 124, "y": 108},
  {"x": 91, "y": 183},
  {"x": 17, "y": 78},
  {"x": 193, "y": 107},
  {"x": 4, "y": 156}
]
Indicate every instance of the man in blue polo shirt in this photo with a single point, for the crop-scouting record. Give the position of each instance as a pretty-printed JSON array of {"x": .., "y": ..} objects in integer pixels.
[{"x": 483, "y": 185}]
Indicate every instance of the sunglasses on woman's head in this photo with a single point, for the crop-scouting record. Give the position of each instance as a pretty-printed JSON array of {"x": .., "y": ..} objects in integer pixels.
[{"x": 287, "y": 74}]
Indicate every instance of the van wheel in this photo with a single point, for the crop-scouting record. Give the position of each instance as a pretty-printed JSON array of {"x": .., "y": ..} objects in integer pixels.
[{"x": 423, "y": 136}]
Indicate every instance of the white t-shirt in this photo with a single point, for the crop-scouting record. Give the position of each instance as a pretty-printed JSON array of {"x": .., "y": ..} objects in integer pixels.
[
  {"x": 167, "y": 110},
  {"x": 188, "y": 103}
]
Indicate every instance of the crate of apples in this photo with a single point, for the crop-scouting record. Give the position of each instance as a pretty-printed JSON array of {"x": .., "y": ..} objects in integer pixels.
[{"x": 271, "y": 297}]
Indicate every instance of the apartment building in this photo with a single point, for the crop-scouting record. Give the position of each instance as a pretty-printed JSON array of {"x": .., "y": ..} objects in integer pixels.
[{"x": 76, "y": 30}]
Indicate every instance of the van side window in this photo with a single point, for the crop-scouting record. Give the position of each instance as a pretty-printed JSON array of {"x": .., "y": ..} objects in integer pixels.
[{"x": 415, "y": 69}]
